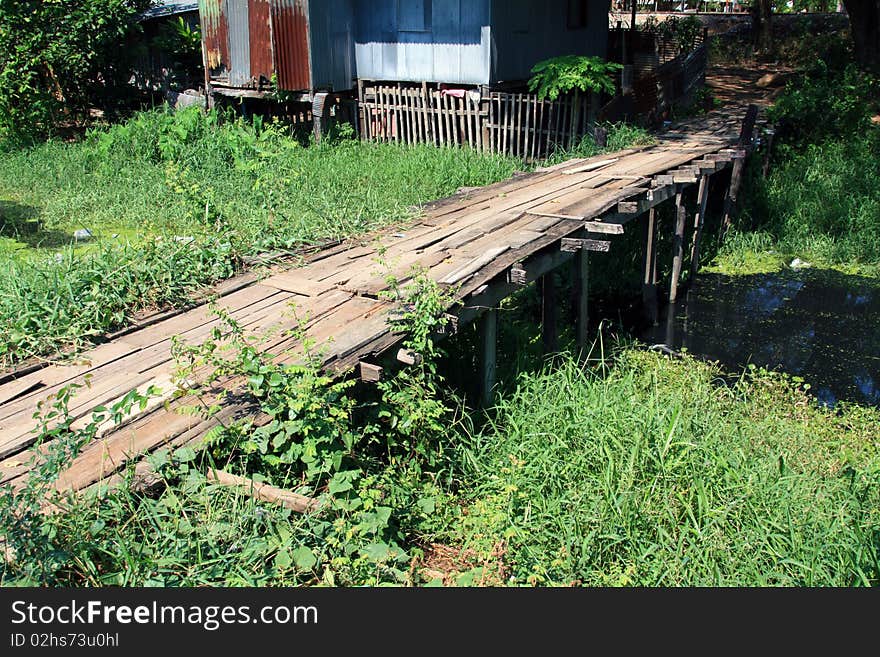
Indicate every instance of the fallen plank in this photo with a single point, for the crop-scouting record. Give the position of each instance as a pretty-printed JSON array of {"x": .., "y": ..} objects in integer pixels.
[{"x": 261, "y": 491}]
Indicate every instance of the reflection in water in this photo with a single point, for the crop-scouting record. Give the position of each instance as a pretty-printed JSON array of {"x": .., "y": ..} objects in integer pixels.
[{"x": 819, "y": 325}]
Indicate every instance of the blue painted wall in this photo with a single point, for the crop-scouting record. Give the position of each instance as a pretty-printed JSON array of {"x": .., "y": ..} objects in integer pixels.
[
  {"x": 469, "y": 41},
  {"x": 525, "y": 32},
  {"x": 331, "y": 32},
  {"x": 415, "y": 40}
]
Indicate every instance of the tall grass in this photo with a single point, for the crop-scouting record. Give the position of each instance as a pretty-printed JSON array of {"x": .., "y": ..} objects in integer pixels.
[
  {"x": 821, "y": 200},
  {"x": 216, "y": 188},
  {"x": 652, "y": 472}
]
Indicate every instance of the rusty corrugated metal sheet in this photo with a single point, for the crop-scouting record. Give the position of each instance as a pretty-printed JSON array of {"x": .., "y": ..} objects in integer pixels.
[
  {"x": 215, "y": 35},
  {"x": 237, "y": 12},
  {"x": 260, "y": 29},
  {"x": 290, "y": 33}
]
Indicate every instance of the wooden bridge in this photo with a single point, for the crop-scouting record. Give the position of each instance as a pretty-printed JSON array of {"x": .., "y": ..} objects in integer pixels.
[{"x": 484, "y": 243}]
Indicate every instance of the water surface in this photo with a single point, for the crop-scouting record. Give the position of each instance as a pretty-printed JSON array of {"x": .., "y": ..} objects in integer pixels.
[{"x": 817, "y": 324}]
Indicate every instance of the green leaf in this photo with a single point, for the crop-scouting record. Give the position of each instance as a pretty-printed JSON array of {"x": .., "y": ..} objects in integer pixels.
[
  {"x": 283, "y": 560},
  {"x": 185, "y": 454},
  {"x": 426, "y": 505},
  {"x": 304, "y": 558},
  {"x": 376, "y": 552}
]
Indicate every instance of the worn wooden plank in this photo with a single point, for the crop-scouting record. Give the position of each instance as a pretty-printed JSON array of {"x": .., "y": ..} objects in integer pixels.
[
  {"x": 264, "y": 492},
  {"x": 573, "y": 244},
  {"x": 474, "y": 265},
  {"x": 295, "y": 281}
]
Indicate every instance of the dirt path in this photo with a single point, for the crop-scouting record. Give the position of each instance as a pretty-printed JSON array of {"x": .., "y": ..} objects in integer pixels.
[{"x": 737, "y": 85}]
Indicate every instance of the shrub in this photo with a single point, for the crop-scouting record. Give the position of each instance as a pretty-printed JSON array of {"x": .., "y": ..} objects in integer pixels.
[{"x": 560, "y": 75}]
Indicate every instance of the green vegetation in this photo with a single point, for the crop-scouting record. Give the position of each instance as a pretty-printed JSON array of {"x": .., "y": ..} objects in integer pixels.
[
  {"x": 651, "y": 472},
  {"x": 561, "y": 75},
  {"x": 638, "y": 470},
  {"x": 175, "y": 201},
  {"x": 821, "y": 199},
  {"x": 61, "y": 58}
]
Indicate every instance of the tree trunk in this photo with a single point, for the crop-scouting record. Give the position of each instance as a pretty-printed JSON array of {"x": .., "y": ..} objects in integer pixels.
[
  {"x": 864, "y": 20},
  {"x": 762, "y": 17}
]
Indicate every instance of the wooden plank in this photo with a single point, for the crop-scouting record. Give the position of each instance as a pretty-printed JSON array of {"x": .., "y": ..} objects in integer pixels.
[
  {"x": 501, "y": 263},
  {"x": 592, "y": 166},
  {"x": 370, "y": 373},
  {"x": 605, "y": 228},
  {"x": 296, "y": 281},
  {"x": 573, "y": 244},
  {"x": 474, "y": 265},
  {"x": 262, "y": 491},
  {"x": 54, "y": 374}
]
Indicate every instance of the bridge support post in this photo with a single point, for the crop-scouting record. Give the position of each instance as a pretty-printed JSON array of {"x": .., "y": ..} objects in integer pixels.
[
  {"x": 677, "y": 244},
  {"x": 745, "y": 140},
  {"x": 580, "y": 265},
  {"x": 488, "y": 346},
  {"x": 548, "y": 314},
  {"x": 649, "y": 271},
  {"x": 699, "y": 220}
]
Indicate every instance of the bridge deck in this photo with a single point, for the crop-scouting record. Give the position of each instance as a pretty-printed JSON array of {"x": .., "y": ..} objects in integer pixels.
[{"x": 469, "y": 241}]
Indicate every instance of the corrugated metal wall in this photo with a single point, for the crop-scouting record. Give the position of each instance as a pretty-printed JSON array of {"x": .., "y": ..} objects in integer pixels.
[
  {"x": 260, "y": 32},
  {"x": 248, "y": 41},
  {"x": 525, "y": 32},
  {"x": 415, "y": 40},
  {"x": 331, "y": 27},
  {"x": 215, "y": 34},
  {"x": 290, "y": 34},
  {"x": 239, "y": 69}
]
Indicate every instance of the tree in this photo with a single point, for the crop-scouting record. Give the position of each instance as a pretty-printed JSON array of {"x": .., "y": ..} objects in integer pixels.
[
  {"x": 59, "y": 58},
  {"x": 864, "y": 20},
  {"x": 762, "y": 17}
]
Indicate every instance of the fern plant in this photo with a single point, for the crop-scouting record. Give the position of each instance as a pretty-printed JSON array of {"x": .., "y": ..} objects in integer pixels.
[{"x": 559, "y": 75}]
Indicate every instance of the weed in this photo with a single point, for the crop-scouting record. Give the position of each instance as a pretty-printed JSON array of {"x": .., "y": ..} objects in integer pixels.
[{"x": 651, "y": 473}]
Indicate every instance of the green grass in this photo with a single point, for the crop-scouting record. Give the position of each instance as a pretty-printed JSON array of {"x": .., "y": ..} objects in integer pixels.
[
  {"x": 658, "y": 474},
  {"x": 640, "y": 471},
  {"x": 821, "y": 199},
  {"x": 215, "y": 189}
]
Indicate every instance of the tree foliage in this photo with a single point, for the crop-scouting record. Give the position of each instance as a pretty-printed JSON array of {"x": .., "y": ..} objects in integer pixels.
[
  {"x": 559, "y": 75},
  {"x": 864, "y": 18},
  {"x": 59, "y": 58}
]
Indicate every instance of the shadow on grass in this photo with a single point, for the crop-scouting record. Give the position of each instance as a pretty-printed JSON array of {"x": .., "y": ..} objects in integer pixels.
[{"x": 23, "y": 224}]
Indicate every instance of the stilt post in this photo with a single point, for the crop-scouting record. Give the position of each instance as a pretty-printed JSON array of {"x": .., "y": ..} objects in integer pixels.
[
  {"x": 649, "y": 272},
  {"x": 677, "y": 244},
  {"x": 488, "y": 339}
]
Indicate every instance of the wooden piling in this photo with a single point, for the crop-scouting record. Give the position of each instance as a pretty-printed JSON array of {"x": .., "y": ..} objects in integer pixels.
[
  {"x": 649, "y": 271},
  {"x": 548, "y": 314},
  {"x": 745, "y": 139},
  {"x": 489, "y": 339},
  {"x": 582, "y": 290},
  {"x": 677, "y": 244},
  {"x": 699, "y": 221}
]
